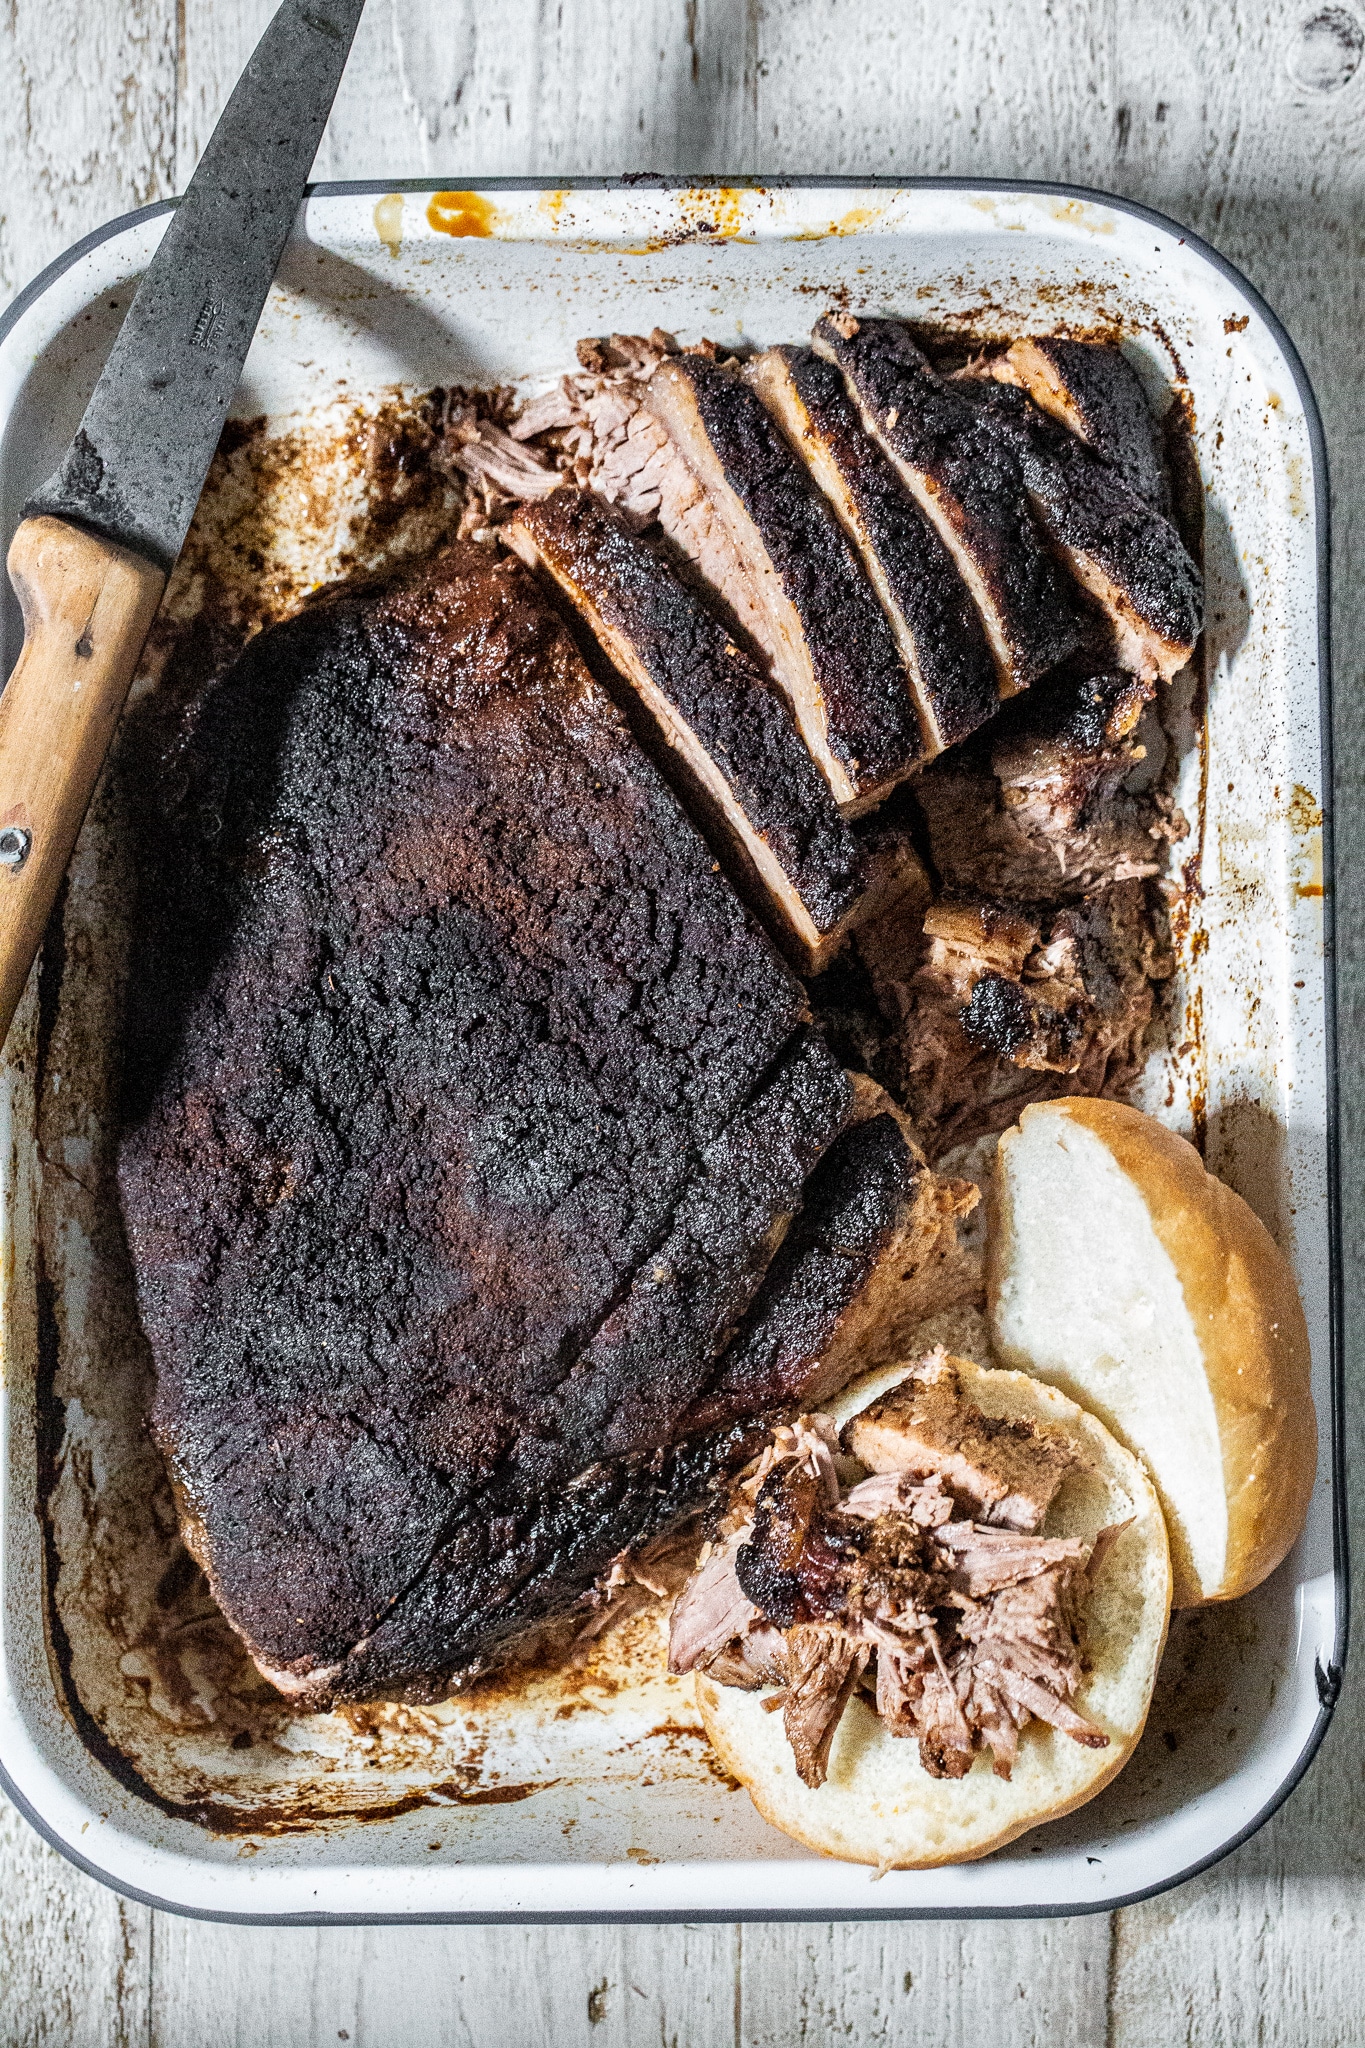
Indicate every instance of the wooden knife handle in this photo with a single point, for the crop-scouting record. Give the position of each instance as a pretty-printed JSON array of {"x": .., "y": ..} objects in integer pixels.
[{"x": 87, "y": 607}]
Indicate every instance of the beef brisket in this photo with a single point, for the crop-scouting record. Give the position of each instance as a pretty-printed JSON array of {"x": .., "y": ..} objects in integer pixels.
[
  {"x": 1094, "y": 391},
  {"x": 981, "y": 1007},
  {"x": 873, "y": 1251},
  {"x": 715, "y": 722},
  {"x": 466, "y": 1110},
  {"x": 962, "y": 1633},
  {"x": 827, "y": 637},
  {"x": 1128, "y": 558},
  {"x": 968, "y": 481},
  {"x": 940, "y": 636},
  {"x": 1043, "y": 809}
]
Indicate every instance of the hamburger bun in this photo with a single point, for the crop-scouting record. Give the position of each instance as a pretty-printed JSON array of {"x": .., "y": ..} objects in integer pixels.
[
  {"x": 1121, "y": 1272},
  {"x": 878, "y": 1804}
]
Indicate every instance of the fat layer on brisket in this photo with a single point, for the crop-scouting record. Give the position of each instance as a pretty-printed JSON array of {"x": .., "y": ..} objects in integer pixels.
[
  {"x": 466, "y": 1110},
  {"x": 926, "y": 1583}
]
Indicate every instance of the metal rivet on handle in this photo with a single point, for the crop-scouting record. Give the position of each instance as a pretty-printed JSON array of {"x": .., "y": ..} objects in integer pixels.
[
  {"x": 14, "y": 846},
  {"x": 1326, "y": 49}
]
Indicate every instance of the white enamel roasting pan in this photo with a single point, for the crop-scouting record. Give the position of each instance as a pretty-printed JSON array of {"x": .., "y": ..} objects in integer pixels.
[{"x": 627, "y": 1820}]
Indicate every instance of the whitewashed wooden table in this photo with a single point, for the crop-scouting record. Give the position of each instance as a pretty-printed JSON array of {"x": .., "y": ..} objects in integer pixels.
[{"x": 1244, "y": 119}]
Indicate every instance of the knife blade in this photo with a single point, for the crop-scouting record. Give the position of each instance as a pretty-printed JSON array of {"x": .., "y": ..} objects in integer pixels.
[{"x": 90, "y": 559}]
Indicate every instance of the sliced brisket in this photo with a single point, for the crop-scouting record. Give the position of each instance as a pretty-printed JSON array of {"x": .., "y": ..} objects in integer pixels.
[
  {"x": 827, "y": 637},
  {"x": 967, "y": 480},
  {"x": 719, "y": 725},
  {"x": 466, "y": 1110},
  {"x": 1127, "y": 557},
  {"x": 1094, "y": 391},
  {"x": 940, "y": 636}
]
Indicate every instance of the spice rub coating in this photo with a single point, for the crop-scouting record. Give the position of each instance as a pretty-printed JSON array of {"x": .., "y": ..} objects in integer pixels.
[
  {"x": 442, "y": 1026},
  {"x": 714, "y": 713},
  {"x": 967, "y": 480},
  {"x": 829, "y": 640},
  {"x": 1127, "y": 557},
  {"x": 1094, "y": 391},
  {"x": 940, "y": 636}
]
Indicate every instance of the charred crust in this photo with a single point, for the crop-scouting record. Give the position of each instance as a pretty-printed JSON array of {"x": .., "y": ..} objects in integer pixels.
[
  {"x": 438, "y": 1010},
  {"x": 940, "y": 432},
  {"x": 1089, "y": 508},
  {"x": 954, "y": 658},
  {"x": 717, "y": 687},
  {"x": 854, "y": 1203},
  {"x": 1111, "y": 409},
  {"x": 873, "y": 727}
]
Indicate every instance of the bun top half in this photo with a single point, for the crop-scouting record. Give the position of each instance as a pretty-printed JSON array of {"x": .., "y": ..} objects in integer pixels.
[{"x": 1123, "y": 1273}]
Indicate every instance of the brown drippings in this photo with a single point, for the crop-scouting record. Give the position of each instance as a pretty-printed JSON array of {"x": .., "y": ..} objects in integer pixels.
[{"x": 461, "y": 213}]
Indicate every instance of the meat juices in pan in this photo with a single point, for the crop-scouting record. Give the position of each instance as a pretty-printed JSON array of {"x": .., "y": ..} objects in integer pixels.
[
  {"x": 831, "y": 647},
  {"x": 925, "y": 1583},
  {"x": 939, "y": 634},
  {"x": 968, "y": 483}
]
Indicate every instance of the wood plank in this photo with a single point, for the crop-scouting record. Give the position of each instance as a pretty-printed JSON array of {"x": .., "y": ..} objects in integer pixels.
[
  {"x": 87, "y": 121},
  {"x": 429, "y": 1987},
  {"x": 75, "y": 1962},
  {"x": 953, "y": 1984}
]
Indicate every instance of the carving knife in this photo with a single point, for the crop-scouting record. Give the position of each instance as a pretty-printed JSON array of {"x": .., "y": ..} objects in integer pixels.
[{"x": 90, "y": 560}]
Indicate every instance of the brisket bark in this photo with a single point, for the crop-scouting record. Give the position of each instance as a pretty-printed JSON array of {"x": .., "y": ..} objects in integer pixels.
[
  {"x": 1128, "y": 558},
  {"x": 968, "y": 482},
  {"x": 719, "y": 726},
  {"x": 465, "y": 1111},
  {"x": 941, "y": 639},
  {"x": 831, "y": 647},
  {"x": 1094, "y": 391}
]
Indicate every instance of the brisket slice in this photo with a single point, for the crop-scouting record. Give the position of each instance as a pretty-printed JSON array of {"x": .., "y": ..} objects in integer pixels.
[
  {"x": 967, "y": 480},
  {"x": 873, "y": 1252},
  {"x": 465, "y": 1112},
  {"x": 1094, "y": 391},
  {"x": 827, "y": 637},
  {"x": 596, "y": 426},
  {"x": 938, "y": 632},
  {"x": 1129, "y": 559},
  {"x": 716, "y": 723}
]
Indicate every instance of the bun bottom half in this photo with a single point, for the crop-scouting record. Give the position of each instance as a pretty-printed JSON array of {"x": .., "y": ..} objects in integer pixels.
[{"x": 878, "y": 1805}]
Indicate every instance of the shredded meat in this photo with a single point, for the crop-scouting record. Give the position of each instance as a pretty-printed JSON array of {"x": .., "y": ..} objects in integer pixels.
[
  {"x": 961, "y": 1633},
  {"x": 823, "y": 1668},
  {"x": 976, "y": 1008},
  {"x": 1005, "y": 1472}
]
